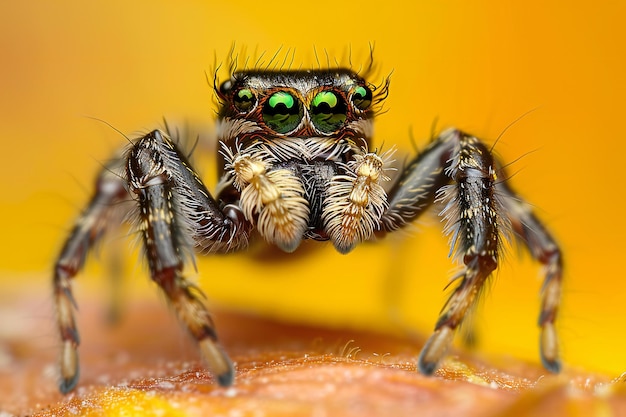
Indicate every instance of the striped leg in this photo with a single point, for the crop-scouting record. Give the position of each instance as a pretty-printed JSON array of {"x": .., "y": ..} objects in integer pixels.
[
  {"x": 459, "y": 171},
  {"x": 89, "y": 227},
  {"x": 546, "y": 251},
  {"x": 473, "y": 219},
  {"x": 172, "y": 210},
  {"x": 177, "y": 214}
]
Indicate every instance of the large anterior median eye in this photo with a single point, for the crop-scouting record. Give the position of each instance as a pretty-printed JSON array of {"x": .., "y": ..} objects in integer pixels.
[
  {"x": 328, "y": 111},
  {"x": 282, "y": 112}
]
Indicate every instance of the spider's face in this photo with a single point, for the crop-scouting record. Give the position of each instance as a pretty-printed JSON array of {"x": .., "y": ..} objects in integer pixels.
[{"x": 298, "y": 104}]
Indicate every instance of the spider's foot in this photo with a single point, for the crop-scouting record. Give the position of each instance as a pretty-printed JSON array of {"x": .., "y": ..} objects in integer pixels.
[
  {"x": 434, "y": 350},
  {"x": 549, "y": 348},
  {"x": 218, "y": 362},
  {"x": 69, "y": 367}
]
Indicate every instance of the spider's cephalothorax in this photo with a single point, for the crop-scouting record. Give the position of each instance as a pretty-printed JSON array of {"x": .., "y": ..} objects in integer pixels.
[
  {"x": 295, "y": 156},
  {"x": 296, "y": 163}
]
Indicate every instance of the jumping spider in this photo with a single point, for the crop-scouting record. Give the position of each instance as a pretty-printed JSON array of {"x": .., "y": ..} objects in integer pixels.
[{"x": 296, "y": 163}]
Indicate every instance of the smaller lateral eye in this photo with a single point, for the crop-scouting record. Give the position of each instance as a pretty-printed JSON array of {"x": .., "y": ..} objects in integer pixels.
[
  {"x": 361, "y": 97},
  {"x": 244, "y": 100},
  {"x": 226, "y": 87}
]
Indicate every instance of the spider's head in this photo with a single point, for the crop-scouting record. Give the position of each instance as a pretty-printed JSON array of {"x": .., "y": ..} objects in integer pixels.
[{"x": 308, "y": 103}]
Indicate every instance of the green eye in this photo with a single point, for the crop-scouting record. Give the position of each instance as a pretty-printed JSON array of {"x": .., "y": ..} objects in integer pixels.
[
  {"x": 328, "y": 111},
  {"x": 282, "y": 112},
  {"x": 244, "y": 100},
  {"x": 362, "y": 97}
]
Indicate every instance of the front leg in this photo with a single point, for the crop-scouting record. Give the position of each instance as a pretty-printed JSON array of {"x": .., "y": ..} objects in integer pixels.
[
  {"x": 177, "y": 213},
  {"x": 477, "y": 210},
  {"x": 473, "y": 219}
]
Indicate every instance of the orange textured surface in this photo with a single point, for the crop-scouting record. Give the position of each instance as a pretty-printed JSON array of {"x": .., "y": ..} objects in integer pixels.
[{"x": 147, "y": 366}]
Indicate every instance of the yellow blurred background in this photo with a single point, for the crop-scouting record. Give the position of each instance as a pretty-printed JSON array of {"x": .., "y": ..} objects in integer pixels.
[{"x": 477, "y": 66}]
